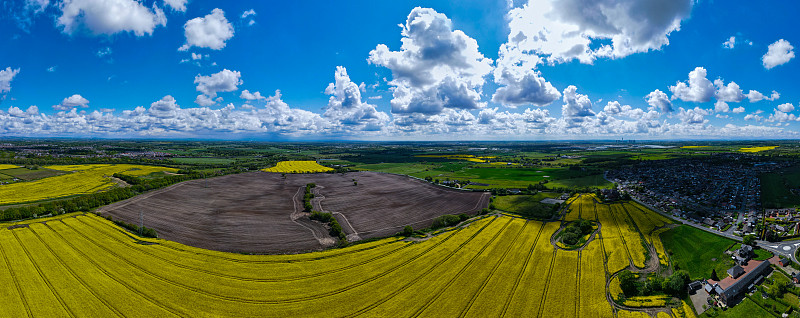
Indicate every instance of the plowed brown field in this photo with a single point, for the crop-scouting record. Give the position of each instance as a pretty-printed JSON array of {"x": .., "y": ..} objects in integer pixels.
[{"x": 258, "y": 212}]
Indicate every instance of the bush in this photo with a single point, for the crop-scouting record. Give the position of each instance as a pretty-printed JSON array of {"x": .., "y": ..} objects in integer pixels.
[
  {"x": 407, "y": 231},
  {"x": 445, "y": 221}
]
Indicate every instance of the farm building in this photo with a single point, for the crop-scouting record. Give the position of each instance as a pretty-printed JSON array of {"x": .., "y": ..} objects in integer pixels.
[{"x": 740, "y": 279}]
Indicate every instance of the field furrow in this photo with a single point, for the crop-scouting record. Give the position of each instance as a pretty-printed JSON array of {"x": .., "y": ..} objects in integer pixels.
[
  {"x": 528, "y": 297},
  {"x": 562, "y": 294},
  {"x": 505, "y": 282}
]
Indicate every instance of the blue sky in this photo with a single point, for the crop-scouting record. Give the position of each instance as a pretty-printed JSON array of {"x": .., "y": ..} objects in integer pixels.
[{"x": 431, "y": 70}]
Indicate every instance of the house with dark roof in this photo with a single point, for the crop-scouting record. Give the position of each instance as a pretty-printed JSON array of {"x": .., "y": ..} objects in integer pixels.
[
  {"x": 740, "y": 279},
  {"x": 784, "y": 261}
]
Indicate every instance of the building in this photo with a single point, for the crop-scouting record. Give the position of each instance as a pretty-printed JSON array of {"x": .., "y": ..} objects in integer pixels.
[
  {"x": 743, "y": 254},
  {"x": 740, "y": 279}
]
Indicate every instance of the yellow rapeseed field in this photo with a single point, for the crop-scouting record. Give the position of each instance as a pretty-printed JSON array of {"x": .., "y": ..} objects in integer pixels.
[
  {"x": 83, "y": 265},
  {"x": 308, "y": 166},
  {"x": 5, "y": 166},
  {"x": 83, "y": 179},
  {"x": 757, "y": 149}
]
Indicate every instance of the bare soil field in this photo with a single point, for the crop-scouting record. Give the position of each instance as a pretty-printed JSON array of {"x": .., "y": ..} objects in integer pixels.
[{"x": 259, "y": 212}]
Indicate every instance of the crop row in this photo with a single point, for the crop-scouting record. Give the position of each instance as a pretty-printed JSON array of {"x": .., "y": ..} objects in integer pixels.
[{"x": 495, "y": 266}]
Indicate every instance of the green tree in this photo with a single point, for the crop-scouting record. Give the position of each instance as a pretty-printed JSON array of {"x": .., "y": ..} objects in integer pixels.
[
  {"x": 627, "y": 281},
  {"x": 749, "y": 239},
  {"x": 408, "y": 231}
]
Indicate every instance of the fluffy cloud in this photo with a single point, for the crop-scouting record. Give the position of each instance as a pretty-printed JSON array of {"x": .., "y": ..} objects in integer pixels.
[
  {"x": 576, "y": 106},
  {"x": 72, "y": 102},
  {"x": 699, "y": 89},
  {"x": 345, "y": 106},
  {"x": 210, "y": 31},
  {"x": 563, "y": 30},
  {"x": 251, "y": 96},
  {"x": 206, "y": 101},
  {"x": 177, "y": 5},
  {"x": 693, "y": 116},
  {"x": 738, "y": 110},
  {"x": 110, "y": 17},
  {"x": 730, "y": 93},
  {"x": 522, "y": 87},
  {"x": 6, "y": 76},
  {"x": 781, "y": 116},
  {"x": 436, "y": 68},
  {"x": 786, "y": 108},
  {"x": 721, "y": 107},
  {"x": 778, "y": 53},
  {"x": 755, "y": 96},
  {"x": 659, "y": 100},
  {"x": 223, "y": 81}
]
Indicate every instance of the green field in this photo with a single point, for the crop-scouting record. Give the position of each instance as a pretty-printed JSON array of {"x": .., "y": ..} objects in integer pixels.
[
  {"x": 494, "y": 177},
  {"x": 28, "y": 174},
  {"x": 697, "y": 251},
  {"x": 746, "y": 309},
  {"x": 213, "y": 161},
  {"x": 527, "y": 205},
  {"x": 776, "y": 188}
]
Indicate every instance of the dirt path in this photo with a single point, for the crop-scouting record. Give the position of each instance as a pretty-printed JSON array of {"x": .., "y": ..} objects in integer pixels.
[
  {"x": 347, "y": 228},
  {"x": 302, "y": 219}
]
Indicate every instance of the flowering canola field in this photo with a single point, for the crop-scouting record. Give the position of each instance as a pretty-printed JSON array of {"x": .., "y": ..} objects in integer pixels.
[
  {"x": 493, "y": 266},
  {"x": 308, "y": 166},
  {"x": 757, "y": 149},
  {"x": 83, "y": 179}
]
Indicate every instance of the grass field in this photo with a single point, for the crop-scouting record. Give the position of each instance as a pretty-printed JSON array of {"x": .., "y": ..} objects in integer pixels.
[
  {"x": 298, "y": 167},
  {"x": 527, "y": 205},
  {"x": 29, "y": 174},
  {"x": 697, "y": 251},
  {"x": 494, "y": 266},
  {"x": 203, "y": 160},
  {"x": 83, "y": 179},
  {"x": 776, "y": 188},
  {"x": 496, "y": 176},
  {"x": 746, "y": 309}
]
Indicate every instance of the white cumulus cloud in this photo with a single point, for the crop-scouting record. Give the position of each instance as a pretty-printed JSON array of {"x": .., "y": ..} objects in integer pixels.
[
  {"x": 346, "y": 107},
  {"x": 436, "y": 67},
  {"x": 110, "y": 17},
  {"x": 786, "y": 108},
  {"x": 72, "y": 102},
  {"x": 211, "y": 31},
  {"x": 699, "y": 89},
  {"x": 562, "y": 30},
  {"x": 177, "y": 5},
  {"x": 778, "y": 53},
  {"x": 659, "y": 100},
  {"x": 222, "y": 81},
  {"x": 6, "y": 76}
]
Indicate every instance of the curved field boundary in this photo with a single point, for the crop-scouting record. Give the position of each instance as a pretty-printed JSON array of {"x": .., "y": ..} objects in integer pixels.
[
  {"x": 417, "y": 279},
  {"x": 261, "y": 301},
  {"x": 16, "y": 282},
  {"x": 513, "y": 291},
  {"x": 493, "y": 270},
  {"x": 204, "y": 253},
  {"x": 46, "y": 281},
  {"x": 119, "y": 281},
  {"x": 251, "y": 279},
  {"x": 420, "y": 310},
  {"x": 72, "y": 273}
]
